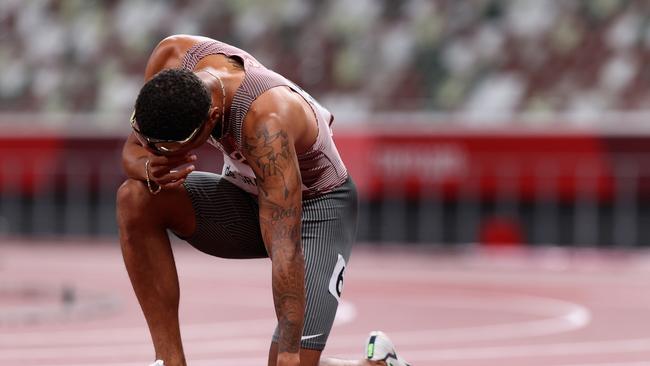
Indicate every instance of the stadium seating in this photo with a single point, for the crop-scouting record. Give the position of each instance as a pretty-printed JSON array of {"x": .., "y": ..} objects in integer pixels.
[{"x": 468, "y": 57}]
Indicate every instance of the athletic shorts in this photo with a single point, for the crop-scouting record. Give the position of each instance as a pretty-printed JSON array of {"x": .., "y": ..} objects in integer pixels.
[{"x": 227, "y": 226}]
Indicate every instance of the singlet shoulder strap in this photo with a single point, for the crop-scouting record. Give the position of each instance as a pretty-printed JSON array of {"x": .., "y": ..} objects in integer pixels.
[
  {"x": 201, "y": 50},
  {"x": 257, "y": 80}
]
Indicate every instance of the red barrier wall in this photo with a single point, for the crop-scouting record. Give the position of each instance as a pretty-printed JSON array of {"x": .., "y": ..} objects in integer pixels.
[
  {"x": 406, "y": 164},
  {"x": 403, "y": 164}
]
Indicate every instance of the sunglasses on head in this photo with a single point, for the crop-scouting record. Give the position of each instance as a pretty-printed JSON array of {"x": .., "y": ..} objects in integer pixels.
[{"x": 163, "y": 147}]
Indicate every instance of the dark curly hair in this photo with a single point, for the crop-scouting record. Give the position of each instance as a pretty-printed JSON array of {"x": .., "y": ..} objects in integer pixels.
[{"x": 172, "y": 104}]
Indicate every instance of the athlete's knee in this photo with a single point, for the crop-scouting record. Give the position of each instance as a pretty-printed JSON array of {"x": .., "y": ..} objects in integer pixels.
[{"x": 132, "y": 199}]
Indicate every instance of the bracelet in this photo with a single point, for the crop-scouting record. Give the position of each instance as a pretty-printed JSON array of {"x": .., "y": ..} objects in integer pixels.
[{"x": 146, "y": 173}]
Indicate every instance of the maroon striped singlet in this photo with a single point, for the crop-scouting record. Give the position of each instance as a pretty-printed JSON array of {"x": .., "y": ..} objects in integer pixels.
[{"x": 321, "y": 167}]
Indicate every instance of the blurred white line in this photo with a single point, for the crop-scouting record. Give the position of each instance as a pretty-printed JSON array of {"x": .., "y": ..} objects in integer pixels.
[
  {"x": 192, "y": 332},
  {"x": 564, "y": 316},
  {"x": 131, "y": 335},
  {"x": 558, "y": 317},
  {"x": 251, "y": 361},
  {"x": 532, "y": 350},
  {"x": 610, "y": 364},
  {"x": 478, "y": 353},
  {"x": 522, "y": 278}
]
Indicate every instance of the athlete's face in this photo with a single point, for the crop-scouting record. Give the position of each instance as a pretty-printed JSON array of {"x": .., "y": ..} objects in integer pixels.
[{"x": 171, "y": 147}]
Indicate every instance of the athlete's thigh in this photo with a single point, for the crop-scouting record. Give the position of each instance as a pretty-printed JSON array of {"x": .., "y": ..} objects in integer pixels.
[{"x": 227, "y": 218}]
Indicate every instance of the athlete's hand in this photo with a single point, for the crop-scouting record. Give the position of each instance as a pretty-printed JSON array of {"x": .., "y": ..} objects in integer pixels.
[
  {"x": 288, "y": 359},
  {"x": 162, "y": 169}
]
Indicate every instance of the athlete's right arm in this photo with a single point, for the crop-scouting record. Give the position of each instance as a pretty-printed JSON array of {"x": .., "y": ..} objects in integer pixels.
[{"x": 160, "y": 168}]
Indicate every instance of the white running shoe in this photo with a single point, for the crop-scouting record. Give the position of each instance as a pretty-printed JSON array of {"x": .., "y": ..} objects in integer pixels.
[
  {"x": 158, "y": 363},
  {"x": 380, "y": 348}
]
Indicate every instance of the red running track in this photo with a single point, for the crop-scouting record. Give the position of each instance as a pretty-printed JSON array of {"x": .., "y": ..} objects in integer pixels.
[{"x": 71, "y": 304}]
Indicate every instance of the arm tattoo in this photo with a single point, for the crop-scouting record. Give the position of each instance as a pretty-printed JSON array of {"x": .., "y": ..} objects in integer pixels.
[
  {"x": 281, "y": 229},
  {"x": 288, "y": 297},
  {"x": 268, "y": 157},
  {"x": 274, "y": 162},
  {"x": 279, "y": 222},
  {"x": 236, "y": 63}
]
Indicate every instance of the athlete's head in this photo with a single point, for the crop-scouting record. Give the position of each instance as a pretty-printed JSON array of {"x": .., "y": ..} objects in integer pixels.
[{"x": 172, "y": 107}]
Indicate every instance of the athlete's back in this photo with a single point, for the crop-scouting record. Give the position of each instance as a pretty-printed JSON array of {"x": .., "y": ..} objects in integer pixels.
[{"x": 321, "y": 167}]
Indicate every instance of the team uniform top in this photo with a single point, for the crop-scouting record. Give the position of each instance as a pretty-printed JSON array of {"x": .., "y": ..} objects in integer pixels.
[{"x": 321, "y": 167}]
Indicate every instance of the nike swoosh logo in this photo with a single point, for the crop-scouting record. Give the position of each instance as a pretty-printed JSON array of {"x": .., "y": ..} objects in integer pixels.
[{"x": 304, "y": 338}]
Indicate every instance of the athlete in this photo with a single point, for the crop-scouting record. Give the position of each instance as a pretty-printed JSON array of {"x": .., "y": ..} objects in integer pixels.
[{"x": 283, "y": 193}]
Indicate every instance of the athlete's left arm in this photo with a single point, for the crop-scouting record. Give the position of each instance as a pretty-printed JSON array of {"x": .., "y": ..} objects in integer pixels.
[{"x": 268, "y": 146}]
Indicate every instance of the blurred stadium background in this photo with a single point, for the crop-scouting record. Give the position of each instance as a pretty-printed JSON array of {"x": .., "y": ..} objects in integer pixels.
[
  {"x": 467, "y": 124},
  {"x": 482, "y": 121}
]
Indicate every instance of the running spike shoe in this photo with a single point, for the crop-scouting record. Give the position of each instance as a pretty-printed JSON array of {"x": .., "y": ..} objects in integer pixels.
[{"x": 380, "y": 348}]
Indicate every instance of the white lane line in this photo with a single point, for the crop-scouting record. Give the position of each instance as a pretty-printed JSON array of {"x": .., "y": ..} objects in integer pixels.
[
  {"x": 539, "y": 350},
  {"x": 610, "y": 364},
  {"x": 128, "y": 333},
  {"x": 473, "y": 276},
  {"x": 456, "y": 354},
  {"x": 564, "y": 317},
  {"x": 250, "y": 361},
  {"x": 558, "y": 317},
  {"x": 219, "y": 339},
  {"x": 131, "y": 334},
  {"x": 215, "y": 347},
  {"x": 561, "y": 317},
  {"x": 113, "y": 336}
]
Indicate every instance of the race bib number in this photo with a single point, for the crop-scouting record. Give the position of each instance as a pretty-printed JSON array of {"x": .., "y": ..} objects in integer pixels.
[{"x": 336, "y": 281}]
